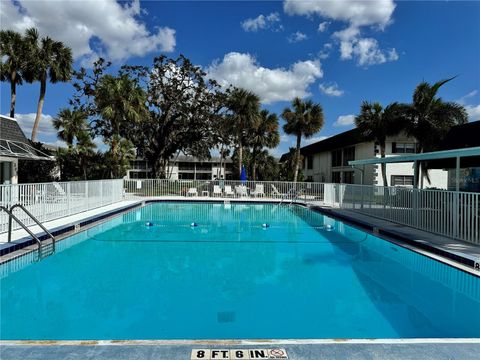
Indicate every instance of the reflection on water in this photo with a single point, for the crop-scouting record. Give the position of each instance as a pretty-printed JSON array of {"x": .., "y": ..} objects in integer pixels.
[{"x": 231, "y": 278}]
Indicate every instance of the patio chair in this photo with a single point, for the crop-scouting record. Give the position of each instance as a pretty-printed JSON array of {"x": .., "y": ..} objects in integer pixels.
[
  {"x": 217, "y": 190},
  {"x": 241, "y": 190},
  {"x": 276, "y": 193},
  {"x": 228, "y": 191},
  {"x": 258, "y": 192},
  {"x": 192, "y": 192}
]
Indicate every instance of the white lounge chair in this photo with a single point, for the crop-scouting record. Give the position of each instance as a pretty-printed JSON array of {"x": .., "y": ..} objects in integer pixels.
[
  {"x": 217, "y": 190},
  {"x": 276, "y": 193},
  {"x": 228, "y": 191},
  {"x": 192, "y": 192},
  {"x": 241, "y": 190},
  {"x": 258, "y": 192}
]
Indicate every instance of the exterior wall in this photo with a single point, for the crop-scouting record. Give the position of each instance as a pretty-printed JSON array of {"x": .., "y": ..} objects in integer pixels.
[
  {"x": 12, "y": 164},
  {"x": 185, "y": 169},
  {"x": 323, "y": 171}
]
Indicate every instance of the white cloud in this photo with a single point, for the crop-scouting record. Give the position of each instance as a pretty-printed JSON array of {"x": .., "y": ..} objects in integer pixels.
[
  {"x": 45, "y": 127},
  {"x": 260, "y": 22},
  {"x": 91, "y": 28},
  {"x": 473, "y": 112},
  {"x": 344, "y": 120},
  {"x": 314, "y": 139},
  {"x": 356, "y": 12},
  {"x": 463, "y": 99},
  {"x": 277, "y": 84},
  {"x": 323, "y": 26},
  {"x": 331, "y": 89},
  {"x": 325, "y": 52},
  {"x": 374, "y": 13},
  {"x": 285, "y": 138},
  {"x": 297, "y": 37}
]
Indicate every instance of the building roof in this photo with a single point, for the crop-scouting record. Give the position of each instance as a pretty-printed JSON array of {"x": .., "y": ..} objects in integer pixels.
[{"x": 13, "y": 142}]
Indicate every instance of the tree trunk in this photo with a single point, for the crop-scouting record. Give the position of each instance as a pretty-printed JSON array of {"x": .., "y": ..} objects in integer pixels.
[
  {"x": 297, "y": 158},
  {"x": 383, "y": 165},
  {"x": 41, "y": 99},
  {"x": 13, "y": 93},
  {"x": 240, "y": 158}
]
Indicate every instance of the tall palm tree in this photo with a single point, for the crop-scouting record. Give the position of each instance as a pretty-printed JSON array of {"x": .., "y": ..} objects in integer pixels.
[
  {"x": 304, "y": 119},
  {"x": 48, "y": 60},
  {"x": 264, "y": 133},
  {"x": 70, "y": 124},
  {"x": 245, "y": 107},
  {"x": 121, "y": 102},
  {"x": 376, "y": 123},
  {"x": 12, "y": 55},
  {"x": 429, "y": 118}
]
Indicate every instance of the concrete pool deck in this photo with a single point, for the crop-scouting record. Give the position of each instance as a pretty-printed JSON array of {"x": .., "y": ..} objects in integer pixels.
[{"x": 408, "y": 349}]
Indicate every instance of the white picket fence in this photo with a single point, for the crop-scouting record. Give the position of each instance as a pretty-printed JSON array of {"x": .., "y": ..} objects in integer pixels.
[
  {"x": 448, "y": 213},
  {"x": 49, "y": 201}
]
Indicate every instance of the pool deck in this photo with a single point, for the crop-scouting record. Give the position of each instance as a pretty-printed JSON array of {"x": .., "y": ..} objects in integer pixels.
[{"x": 414, "y": 349}]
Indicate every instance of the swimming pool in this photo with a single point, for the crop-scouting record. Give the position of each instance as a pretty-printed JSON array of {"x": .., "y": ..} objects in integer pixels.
[{"x": 304, "y": 276}]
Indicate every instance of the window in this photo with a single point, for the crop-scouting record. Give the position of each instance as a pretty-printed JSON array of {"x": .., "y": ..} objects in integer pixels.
[
  {"x": 337, "y": 157},
  {"x": 403, "y": 148},
  {"x": 336, "y": 177},
  {"x": 309, "y": 162},
  {"x": 348, "y": 155},
  {"x": 402, "y": 180},
  {"x": 348, "y": 177}
]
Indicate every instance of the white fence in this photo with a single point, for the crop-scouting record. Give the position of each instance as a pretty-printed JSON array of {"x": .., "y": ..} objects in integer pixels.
[
  {"x": 448, "y": 213},
  {"x": 49, "y": 201}
]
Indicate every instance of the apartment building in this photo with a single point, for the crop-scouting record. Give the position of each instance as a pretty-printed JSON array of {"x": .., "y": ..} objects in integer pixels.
[
  {"x": 185, "y": 168},
  {"x": 327, "y": 161}
]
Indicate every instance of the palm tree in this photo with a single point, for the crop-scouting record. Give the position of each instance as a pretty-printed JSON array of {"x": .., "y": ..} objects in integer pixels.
[
  {"x": 245, "y": 107},
  {"x": 429, "y": 118},
  {"x": 376, "y": 123},
  {"x": 47, "y": 60},
  {"x": 85, "y": 150},
  {"x": 305, "y": 119},
  {"x": 121, "y": 102},
  {"x": 70, "y": 124},
  {"x": 264, "y": 133},
  {"x": 12, "y": 55}
]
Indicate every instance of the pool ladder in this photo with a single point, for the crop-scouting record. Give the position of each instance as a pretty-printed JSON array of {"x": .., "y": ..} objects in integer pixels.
[
  {"x": 44, "y": 250},
  {"x": 291, "y": 195}
]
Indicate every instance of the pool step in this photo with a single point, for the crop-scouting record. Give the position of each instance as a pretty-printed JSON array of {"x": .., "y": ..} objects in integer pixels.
[{"x": 45, "y": 251}]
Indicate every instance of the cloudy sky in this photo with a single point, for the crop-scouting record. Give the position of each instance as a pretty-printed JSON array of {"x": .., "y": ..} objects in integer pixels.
[{"x": 337, "y": 53}]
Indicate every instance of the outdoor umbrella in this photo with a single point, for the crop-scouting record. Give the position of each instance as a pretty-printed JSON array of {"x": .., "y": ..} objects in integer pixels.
[{"x": 243, "y": 175}]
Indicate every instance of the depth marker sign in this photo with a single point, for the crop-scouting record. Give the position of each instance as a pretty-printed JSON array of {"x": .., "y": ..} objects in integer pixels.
[{"x": 236, "y": 354}]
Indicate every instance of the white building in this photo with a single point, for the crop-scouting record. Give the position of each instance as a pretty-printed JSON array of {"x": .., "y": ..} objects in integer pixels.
[
  {"x": 327, "y": 161},
  {"x": 185, "y": 168}
]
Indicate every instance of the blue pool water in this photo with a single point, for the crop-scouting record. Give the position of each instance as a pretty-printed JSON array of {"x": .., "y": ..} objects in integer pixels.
[{"x": 229, "y": 277}]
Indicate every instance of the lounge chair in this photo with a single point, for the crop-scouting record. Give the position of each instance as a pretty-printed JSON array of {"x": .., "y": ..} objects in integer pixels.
[
  {"x": 276, "y": 193},
  {"x": 192, "y": 192},
  {"x": 228, "y": 191},
  {"x": 258, "y": 192},
  {"x": 217, "y": 190},
  {"x": 241, "y": 190}
]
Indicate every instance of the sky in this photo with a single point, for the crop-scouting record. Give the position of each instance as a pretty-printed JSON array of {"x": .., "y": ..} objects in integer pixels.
[{"x": 336, "y": 53}]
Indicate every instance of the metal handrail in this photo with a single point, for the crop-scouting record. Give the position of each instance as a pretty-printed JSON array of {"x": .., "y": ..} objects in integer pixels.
[
  {"x": 19, "y": 222},
  {"x": 33, "y": 218},
  {"x": 294, "y": 196}
]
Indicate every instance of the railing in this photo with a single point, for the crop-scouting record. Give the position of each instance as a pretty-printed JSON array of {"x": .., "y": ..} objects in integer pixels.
[
  {"x": 49, "y": 201},
  {"x": 228, "y": 188},
  {"x": 449, "y": 213}
]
